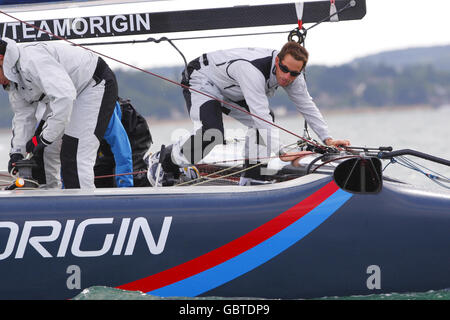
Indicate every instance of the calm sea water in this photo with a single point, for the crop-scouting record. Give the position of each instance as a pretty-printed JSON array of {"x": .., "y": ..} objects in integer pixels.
[{"x": 425, "y": 130}]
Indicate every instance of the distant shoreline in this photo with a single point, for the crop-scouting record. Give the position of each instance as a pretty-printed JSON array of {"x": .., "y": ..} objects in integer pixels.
[
  {"x": 376, "y": 109},
  {"x": 325, "y": 112}
]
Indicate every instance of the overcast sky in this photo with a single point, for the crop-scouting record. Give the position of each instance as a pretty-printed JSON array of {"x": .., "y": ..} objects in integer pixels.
[{"x": 388, "y": 25}]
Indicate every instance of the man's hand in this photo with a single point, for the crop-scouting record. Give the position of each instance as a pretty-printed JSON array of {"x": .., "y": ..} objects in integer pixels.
[
  {"x": 36, "y": 145},
  {"x": 337, "y": 143},
  {"x": 13, "y": 158},
  {"x": 291, "y": 156}
]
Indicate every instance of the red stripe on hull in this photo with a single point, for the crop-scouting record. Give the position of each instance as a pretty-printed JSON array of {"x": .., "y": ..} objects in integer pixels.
[{"x": 233, "y": 248}]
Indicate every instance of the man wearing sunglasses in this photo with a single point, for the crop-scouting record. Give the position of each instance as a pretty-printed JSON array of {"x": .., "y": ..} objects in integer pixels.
[{"x": 246, "y": 78}]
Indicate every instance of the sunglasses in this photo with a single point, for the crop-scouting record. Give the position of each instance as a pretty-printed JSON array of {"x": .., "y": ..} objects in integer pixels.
[{"x": 286, "y": 70}]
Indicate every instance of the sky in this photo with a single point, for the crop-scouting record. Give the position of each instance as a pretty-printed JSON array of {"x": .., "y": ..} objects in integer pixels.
[{"x": 388, "y": 25}]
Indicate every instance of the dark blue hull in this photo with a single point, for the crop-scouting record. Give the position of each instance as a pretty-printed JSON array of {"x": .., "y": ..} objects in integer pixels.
[{"x": 299, "y": 239}]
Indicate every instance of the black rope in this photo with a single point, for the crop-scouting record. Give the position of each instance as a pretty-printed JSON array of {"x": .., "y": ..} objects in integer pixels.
[
  {"x": 177, "y": 39},
  {"x": 175, "y": 47},
  {"x": 183, "y": 38}
]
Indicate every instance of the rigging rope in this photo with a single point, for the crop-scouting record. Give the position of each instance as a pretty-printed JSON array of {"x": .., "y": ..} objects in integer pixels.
[
  {"x": 161, "y": 77},
  {"x": 300, "y": 32},
  {"x": 410, "y": 164},
  {"x": 208, "y": 179},
  {"x": 183, "y": 38},
  {"x": 299, "y": 9}
]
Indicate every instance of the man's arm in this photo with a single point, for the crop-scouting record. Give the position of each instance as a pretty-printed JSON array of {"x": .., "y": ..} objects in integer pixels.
[
  {"x": 49, "y": 76},
  {"x": 299, "y": 95},
  {"x": 23, "y": 122}
]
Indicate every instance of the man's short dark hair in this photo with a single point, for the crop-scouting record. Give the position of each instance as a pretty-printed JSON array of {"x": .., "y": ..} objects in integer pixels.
[
  {"x": 3, "y": 45},
  {"x": 296, "y": 50}
]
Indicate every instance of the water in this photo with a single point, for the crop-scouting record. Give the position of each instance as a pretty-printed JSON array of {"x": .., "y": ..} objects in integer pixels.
[
  {"x": 426, "y": 130},
  {"x": 106, "y": 293}
]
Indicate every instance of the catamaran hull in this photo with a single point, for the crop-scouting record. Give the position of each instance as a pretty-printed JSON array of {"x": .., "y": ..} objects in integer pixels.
[{"x": 303, "y": 238}]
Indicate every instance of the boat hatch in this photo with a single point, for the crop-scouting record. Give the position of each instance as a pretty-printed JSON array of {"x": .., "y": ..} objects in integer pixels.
[{"x": 359, "y": 175}]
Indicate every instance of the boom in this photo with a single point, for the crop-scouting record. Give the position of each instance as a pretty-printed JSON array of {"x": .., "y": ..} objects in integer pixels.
[{"x": 179, "y": 21}]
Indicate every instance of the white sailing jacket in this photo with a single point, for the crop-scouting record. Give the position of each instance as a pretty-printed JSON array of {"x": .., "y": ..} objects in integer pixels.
[
  {"x": 53, "y": 74},
  {"x": 249, "y": 73}
]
